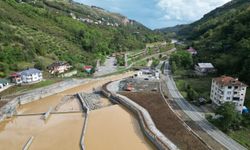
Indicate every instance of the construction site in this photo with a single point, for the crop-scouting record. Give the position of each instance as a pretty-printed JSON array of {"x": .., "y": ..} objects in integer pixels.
[{"x": 148, "y": 95}]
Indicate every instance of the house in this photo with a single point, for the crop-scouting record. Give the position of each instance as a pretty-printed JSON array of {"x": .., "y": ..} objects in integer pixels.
[
  {"x": 58, "y": 67},
  {"x": 192, "y": 51},
  {"x": 204, "y": 68},
  {"x": 147, "y": 71},
  {"x": 31, "y": 75},
  {"x": 16, "y": 78},
  {"x": 3, "y": 83},
  {"x": 228, "y": 89},
  {"x": 88, "y": 69}
]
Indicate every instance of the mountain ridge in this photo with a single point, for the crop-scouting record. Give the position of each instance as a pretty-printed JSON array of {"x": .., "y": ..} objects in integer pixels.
[{"x": 221, "y": 37}]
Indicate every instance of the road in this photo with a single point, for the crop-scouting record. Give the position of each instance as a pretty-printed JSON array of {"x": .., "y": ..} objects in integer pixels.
[
  {"x": 107, "y": 68},
  {"x": 197, "y": 116}
]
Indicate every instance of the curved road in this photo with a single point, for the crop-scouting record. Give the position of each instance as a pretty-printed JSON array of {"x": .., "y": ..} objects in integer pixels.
[{"x": 197, "y": 116}]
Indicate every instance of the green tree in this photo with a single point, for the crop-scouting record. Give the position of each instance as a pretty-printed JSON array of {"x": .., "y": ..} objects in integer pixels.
[
  {"x": 173, "y": 67},
  {"x": 39, "y": 65},
  {"x": 182, "y": 59},
  {"x": 230, "y": 118},
  {"x": 192, "y": 94}
]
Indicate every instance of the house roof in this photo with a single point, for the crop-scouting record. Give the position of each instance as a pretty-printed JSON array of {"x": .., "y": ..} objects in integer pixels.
[
  {"x": 57, "y": 64},
  {"x": 191, "y": 49},
  {"x": 205, "y": 65},
  {"x": 30, "y": 71},
  {"x": 228, "y": 81},
  {"x": 16, "y": 74},
  {"x": 4, "y": 81},
  {"x": 87, "y": 67}
]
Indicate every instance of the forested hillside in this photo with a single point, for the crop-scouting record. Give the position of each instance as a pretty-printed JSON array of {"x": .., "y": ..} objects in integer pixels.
[
  {"x": 44, "y": 31},
  {"x": 222, "y": 37}
]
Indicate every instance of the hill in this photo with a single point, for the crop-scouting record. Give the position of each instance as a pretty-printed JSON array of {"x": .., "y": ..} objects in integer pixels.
[
  {"x": 221, "y": 37},
  {"x": 40, "y": 32}
]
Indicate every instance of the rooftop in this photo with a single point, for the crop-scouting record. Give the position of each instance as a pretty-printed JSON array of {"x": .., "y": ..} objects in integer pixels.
[
  {"x": 30, "y": 71},
  {"x": 191, "y": 49},
  {"x": 229, "y": 81},
  {"x": 4, "y": 81},
  {"x": 205, "y": 65},
  {"x": 56, "y": 64}
]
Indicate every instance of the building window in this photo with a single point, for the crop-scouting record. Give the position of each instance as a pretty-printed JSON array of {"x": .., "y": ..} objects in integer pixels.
[
  {"x": 229, "y": 92},
  {"x": 236, "y": 87},
  {"x": 229, "y": 87},
  {"x": 243, "y": 89},
  {"x": 228, "y": 98}
]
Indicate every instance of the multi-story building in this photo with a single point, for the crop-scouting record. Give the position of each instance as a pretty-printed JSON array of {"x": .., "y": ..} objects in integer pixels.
[
  {"x": 228, "y": 89},
  {"x": 31, "y": 75}
]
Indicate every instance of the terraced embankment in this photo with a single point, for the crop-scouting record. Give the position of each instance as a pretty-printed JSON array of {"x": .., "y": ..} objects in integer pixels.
[{"x": 165, "y": 120}]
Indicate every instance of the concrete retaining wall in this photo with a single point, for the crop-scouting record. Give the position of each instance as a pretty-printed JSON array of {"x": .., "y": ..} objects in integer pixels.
[
  {"x": 86, "y": 109},
  {"x": 10, "y": 108},
  {"x": 146, "y": 123}
]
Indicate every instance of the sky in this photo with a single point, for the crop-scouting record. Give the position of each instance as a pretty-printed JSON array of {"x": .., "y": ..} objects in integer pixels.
[{"x": 159, "y": 13}]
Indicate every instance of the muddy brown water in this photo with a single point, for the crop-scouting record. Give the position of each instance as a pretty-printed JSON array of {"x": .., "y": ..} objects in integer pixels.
[
  {"x": 111, "y": 127},
  {"x": 66, "y": 129},
  {"x": 44, "y": 104},
  {"x": 114, "y": 128}
]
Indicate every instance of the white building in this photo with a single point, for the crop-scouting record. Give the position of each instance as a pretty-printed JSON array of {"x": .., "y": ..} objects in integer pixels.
[
  {"x": 3, "y": 83},
  {"x": 58, "y": 67},
  {"x": 204, "y": 68},
  {"x": 227, "y": 89},
  {"x": 31, "y": 75}
]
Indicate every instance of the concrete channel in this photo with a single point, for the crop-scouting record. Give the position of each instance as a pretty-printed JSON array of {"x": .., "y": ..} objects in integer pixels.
[{"x": 26, "y": 127}]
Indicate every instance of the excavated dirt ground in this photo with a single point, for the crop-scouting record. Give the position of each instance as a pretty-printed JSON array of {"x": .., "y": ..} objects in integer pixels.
[{"x": 165, "y": 120}]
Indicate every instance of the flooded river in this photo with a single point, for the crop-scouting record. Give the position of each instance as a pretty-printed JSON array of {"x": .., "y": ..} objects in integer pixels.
[
  {"x": 114, "y": 128},
  {"x": 44, "y": 104},
  {"x": 109, "y": 128},
  {"x": 59, "y": 132}
]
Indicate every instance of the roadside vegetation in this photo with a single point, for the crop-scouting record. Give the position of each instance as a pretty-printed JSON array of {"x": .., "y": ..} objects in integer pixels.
[
  {"x": 193, "y": 87},
  {"x": 236, "y": 125}
]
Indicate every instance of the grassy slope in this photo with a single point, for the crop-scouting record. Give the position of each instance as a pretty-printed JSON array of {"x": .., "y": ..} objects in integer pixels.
[
  {"x": 46, "y": 32},
  {"x": 222, "y": 37}
]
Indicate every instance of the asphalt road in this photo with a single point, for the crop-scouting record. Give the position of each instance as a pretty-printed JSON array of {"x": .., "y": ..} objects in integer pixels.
[
  {"x": 197, "y": 116},
  {"x": 107, "y": 68}
]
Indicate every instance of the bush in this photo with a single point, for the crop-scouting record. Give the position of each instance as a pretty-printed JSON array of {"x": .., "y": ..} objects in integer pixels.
[{"x": 230, "y": 118}]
